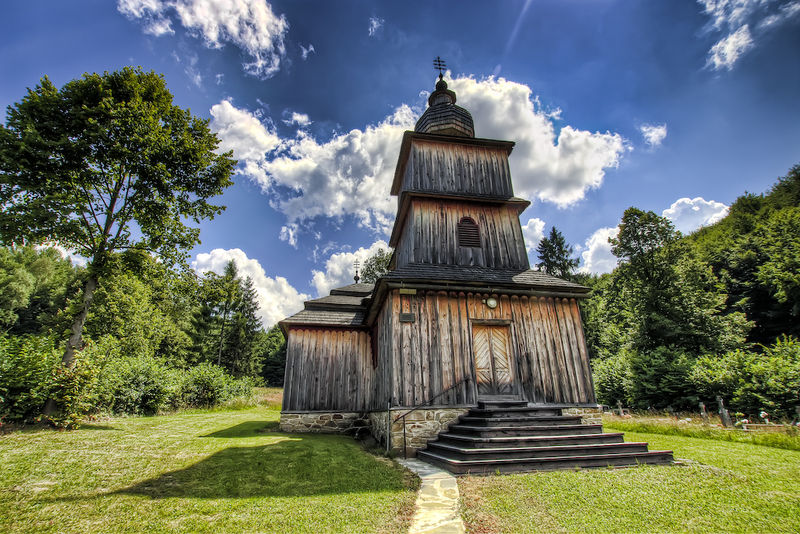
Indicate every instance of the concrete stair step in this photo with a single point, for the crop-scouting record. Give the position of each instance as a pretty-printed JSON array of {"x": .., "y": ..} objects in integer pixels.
[
  {"x": 522, "y": 420},
  {"x": 492, "y": 453},
  {"x": 527, "y": 430},
  {"x": 512, "y": 465},
  {"x": 514, "y": 411},
  {"x": 469, "y": 441},
  {"x": 501, "y": 404}
]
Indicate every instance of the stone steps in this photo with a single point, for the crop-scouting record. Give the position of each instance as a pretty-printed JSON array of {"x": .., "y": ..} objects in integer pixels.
[
  {"x": 539, "y": 430},
  {"x": 509, "y": 436},
  {"x": 519, "y": 421},
  {"x": 527, "y": 441},
  {"x": 516, "y": 465}
]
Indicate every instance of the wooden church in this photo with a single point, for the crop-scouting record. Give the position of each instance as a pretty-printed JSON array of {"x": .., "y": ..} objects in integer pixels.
[{"x": 461, "y": 353}]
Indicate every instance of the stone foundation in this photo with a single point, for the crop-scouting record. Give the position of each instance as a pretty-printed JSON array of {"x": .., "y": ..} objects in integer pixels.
[
  {"x": 589, "y": 416},
  {"x": 378, "y": 423},
  {"x": 324, "y": 422},
  {"x": 421, "y": 425}
]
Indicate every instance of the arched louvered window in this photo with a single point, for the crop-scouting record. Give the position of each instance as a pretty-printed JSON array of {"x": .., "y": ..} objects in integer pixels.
[{"x": 468, "y": 234}]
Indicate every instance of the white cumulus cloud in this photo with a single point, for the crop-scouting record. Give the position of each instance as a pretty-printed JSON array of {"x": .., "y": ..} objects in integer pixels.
[
  {"x": 654, "y": 134},
  {"x": 339, "y": 268},
  {"x": 251, "y": 25},
  {"x": 533, "y": 232},
  {"x": 558, "y": 168},
  {"x": 735, "y": 19},
  {"x": 597, "y": 257},
  {"x": 289, "y": 234},
  {"x": 299, "y": 119},
  {"x": 725, "y": 53},
  {"x": 689, "y": 214},
  {"x": 351, "y": 173},
  {"x": 375, "y": 24},
  {"x": 306, "y": 50},
  {"x": 277, "y": 299},
  {"x": 241, "y": 131}
]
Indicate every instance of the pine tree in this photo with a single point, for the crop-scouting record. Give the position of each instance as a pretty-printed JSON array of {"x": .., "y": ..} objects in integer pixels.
[
  {"x": 239, "y": 355},
  {"x": 555, "y": 256}
]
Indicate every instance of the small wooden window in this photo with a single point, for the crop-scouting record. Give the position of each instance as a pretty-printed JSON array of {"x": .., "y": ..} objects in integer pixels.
[{"x": 468, "y": 234}]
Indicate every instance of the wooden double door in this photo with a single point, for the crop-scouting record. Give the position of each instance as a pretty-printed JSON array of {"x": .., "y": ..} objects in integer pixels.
[{"x": 493, "y": 360}]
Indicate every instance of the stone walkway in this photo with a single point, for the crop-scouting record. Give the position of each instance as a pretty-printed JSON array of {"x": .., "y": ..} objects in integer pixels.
[{"x": 437, "y": 501}]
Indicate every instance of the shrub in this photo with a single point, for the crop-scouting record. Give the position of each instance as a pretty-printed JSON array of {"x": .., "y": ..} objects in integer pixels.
[
  {"x": 142, "y": 385},
  {"x": 660, "y": 379},
  {"x": 73, "y": 390},
  {"x": 27, "y": 364},
  {"x": 612, "y": 378},
  {"x": 207, "y": 384},
  {"x": 754, "y": 381}
]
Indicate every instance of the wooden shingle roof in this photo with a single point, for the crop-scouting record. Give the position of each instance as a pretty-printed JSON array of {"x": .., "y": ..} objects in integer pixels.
[
  {"x": 344, "y": 307},
  {"x": 474, "y": 275}
]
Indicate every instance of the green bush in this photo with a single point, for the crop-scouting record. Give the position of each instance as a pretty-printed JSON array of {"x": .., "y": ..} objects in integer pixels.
[
  {"x": 73, "y": 390},
  {"x": 207, "y": 384},
  {"x": 660, "y": 379},
  {"x": 612, "y": 379},
  {"x": 141, "y": 385},
  {"x": 27, "y": 364},
  {"x": 751, "y": 381}
]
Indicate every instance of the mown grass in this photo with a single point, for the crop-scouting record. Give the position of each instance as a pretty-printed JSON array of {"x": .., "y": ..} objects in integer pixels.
[
  {"x": 200, "y": 471},
  {"x": 695, "y": 429},
  {"x": 722, "y": 487}
]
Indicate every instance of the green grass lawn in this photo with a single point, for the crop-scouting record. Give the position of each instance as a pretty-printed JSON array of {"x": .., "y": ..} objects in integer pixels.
[
  {"x": 723, "y": 487},
  {"x": 202, "y": 471}
]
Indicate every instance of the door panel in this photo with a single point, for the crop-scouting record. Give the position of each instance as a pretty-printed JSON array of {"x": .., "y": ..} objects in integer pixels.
[
  {"x": 493, "y": 360},
  {"x": 501, "y": 358},
  {"x": 483, "y": 359}
]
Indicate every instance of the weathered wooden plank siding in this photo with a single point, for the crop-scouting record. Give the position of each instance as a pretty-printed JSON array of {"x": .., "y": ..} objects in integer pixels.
[
  {"x": 459, "y": 169},
  {"x": 431, "y": 230},
  {"x": 330, "y": 369},
  {"x": 436, "y": 350}
]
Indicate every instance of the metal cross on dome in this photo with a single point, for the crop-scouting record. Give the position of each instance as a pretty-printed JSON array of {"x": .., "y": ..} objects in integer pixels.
[{"x": 439, "y": 65}]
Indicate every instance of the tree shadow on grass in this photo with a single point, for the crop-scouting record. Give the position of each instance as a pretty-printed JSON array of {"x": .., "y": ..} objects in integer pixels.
[
  {"x": 97, "y": 427},
  {"x": 248, "y": 429},
  {"x": 295, "y": 465}
]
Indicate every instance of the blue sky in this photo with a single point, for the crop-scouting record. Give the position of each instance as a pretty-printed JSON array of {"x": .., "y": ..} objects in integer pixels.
[{"x": 672, "y": 106}]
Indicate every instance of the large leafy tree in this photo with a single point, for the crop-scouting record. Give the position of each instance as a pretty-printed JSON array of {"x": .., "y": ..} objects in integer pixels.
[
  {"x": 555, "y": 255},
  {"x": 107, "y": 163},
  {"x": 671, "y": 297},
  {"x": 375, "y": 266}
]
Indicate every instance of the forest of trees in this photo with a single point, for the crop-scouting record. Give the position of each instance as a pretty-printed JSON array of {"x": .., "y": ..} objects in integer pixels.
[{"x": 683, "y": 319}]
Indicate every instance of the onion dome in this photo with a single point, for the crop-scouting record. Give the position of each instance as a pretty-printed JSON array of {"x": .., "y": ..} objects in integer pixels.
[{"x": 443, "y": 117}]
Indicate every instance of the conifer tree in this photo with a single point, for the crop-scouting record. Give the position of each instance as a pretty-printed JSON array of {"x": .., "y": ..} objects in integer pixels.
[{"x": 555, "y": 255}]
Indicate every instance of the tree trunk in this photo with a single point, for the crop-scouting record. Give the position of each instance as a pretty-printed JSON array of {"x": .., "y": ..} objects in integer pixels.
[{"x": 75, "y": 339}]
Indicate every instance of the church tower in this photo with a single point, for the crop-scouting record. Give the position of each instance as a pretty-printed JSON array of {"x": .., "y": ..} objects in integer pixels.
[{"x": 456, "y": 203}]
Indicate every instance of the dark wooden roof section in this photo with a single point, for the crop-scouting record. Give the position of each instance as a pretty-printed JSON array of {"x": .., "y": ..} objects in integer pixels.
[
  {"x": 344, "y": 307},
  {"x": 356, "y": 305},
  {"x": 482, "y": 276}
]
